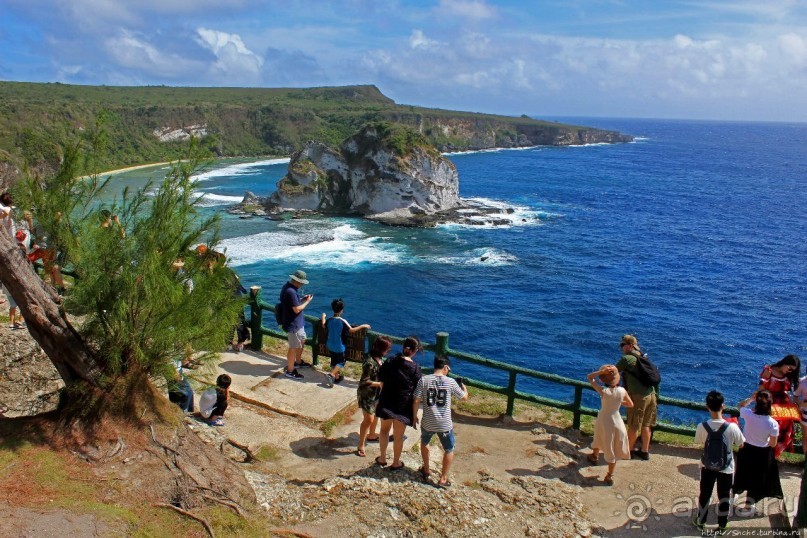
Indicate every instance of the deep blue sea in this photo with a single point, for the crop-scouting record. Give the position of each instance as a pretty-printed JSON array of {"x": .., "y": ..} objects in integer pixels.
[{"x": 692, "y": 238}]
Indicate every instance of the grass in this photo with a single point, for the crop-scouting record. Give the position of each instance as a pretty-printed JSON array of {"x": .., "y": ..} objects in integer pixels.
[
  {"x": 40, "y": 477},
  {"x": 267, "y": 453}
]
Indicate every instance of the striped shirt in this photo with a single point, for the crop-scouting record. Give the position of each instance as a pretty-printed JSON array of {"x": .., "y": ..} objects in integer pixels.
[{"x": 434, "y": 392}]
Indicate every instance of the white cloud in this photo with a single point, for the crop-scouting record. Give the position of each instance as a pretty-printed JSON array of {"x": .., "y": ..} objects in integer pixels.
[
  {"x": 795, "y": 48},
  {"x": 468, "y": 9},
  {"x": 418, "y": 40},
  {"x": 233, "y": 58},
  {"x": 134, "y": 53}
]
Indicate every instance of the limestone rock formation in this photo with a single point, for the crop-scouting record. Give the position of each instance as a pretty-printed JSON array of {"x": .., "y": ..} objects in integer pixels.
[{"x": 382, "y": 169}]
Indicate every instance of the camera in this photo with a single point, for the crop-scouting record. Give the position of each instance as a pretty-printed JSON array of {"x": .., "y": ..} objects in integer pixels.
[{"x": 460, "y": 381}]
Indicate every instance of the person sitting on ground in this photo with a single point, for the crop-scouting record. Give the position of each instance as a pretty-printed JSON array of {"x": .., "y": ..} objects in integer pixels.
[
  {"x": 610, "y": 436},
  {"x": 435, "y": 391},
  {"x": 399, "y": 377},
  {"x": 717, "y": 463},
  {"x": 642, "y": 416},
  {"x": 291, "y": 308},
  {"x": 368, "y": 390},
  {"x": 180, "y": 391},
  {"x": 214, "y": 401},
  {"x": 338, "y": 330},
  {"x": 757, "y": 472}
]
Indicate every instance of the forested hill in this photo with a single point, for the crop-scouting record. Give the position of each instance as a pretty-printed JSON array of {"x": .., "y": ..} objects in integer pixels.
[{"x": 151, "y": 123}]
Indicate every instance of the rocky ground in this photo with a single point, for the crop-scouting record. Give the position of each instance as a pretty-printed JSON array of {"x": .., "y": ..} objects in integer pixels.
[{"x": 524, "y": 477}]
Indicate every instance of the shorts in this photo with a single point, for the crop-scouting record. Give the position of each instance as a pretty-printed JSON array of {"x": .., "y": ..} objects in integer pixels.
[
  {"x": 643, "y": 412},
  {"x": 337, "y": 359},
  {"x": 11, "y": 302},
  {"x": 297, "y": 338},
  {"x": 446, "y": 439}
]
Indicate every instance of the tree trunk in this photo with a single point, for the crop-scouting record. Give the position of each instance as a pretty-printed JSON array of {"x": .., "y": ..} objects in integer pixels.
[{"x": 46, "y": 321}]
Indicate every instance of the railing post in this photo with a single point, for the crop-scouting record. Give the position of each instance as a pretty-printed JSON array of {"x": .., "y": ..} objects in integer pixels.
[
  {"x": 255, "y": 318},
  {"x": 578, "y": 400},
  {"x": 441, "y": 344},
  {"x": 511, "y": 394}
]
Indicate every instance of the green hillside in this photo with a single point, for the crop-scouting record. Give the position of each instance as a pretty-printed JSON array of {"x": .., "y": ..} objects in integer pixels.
[{"x": 238, "y": 121}]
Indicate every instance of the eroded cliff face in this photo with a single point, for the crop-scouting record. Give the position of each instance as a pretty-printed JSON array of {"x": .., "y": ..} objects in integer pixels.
[{"x": 367, "y": 177}]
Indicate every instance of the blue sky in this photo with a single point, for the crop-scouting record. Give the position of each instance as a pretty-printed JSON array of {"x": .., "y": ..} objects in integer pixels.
[{"x": 710, "y": 59}]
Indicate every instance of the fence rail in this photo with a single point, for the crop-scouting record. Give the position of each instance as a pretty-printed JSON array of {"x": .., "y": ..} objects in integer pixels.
[{"x": 441, "y": 347}]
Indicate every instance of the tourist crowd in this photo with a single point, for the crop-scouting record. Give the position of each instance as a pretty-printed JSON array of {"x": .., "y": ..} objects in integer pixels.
[{"x": 392, "y": 391}]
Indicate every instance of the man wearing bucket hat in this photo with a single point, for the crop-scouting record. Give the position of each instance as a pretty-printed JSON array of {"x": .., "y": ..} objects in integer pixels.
[{"x": 292, "y": 307}]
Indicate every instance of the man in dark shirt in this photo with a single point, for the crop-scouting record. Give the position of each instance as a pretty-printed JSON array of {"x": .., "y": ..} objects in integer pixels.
[
  {"x": 292, "y": 306},
  {"x": 642, "y": 416}
]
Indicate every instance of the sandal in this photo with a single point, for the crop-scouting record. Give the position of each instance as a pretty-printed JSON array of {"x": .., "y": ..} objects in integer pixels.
[
  {"x": 373, "y": 440},
  {"x": 360, "y": 453},
  {"x": 397, "y": 467},
  {"x": 379, "y": 462},
  {"x": 444, "y": 485},
  {"x": 424, "y": 474},
  {"x": 609, "y": 479},
  {"x": 592, "y": 458}
]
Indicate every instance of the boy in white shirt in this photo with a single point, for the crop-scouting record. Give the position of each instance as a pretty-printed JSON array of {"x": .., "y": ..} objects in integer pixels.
[{"x": 717, "y": 463}]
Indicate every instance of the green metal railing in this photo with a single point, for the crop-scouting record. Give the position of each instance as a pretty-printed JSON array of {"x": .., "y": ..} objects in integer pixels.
[{"x": 441, "y": 347}]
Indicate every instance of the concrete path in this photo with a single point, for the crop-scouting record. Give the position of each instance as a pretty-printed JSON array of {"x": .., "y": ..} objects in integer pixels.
[{"x": 258, "y": 379}]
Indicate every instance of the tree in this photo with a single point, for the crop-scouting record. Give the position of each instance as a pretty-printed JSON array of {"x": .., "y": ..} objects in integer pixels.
[{"x": 138, "y": 313}]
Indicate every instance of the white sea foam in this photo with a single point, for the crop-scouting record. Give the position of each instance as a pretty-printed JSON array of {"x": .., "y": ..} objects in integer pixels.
[
  {"x": 210, "y": 199},
  {"x": 520, "y": 215},
  {"x": 314, "y": 244},
  {"x": 486, "y": 256},
  {"x": 491, "y": 150},
  {"x": 240, "y": 169}
]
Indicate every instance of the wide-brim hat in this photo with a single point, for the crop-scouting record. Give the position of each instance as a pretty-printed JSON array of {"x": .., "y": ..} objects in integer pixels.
[{"x": 299, "y": 276}]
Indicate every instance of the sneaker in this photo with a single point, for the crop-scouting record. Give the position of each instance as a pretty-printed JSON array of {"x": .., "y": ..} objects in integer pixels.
[
  {"x": 339, "y": 379},
  {"x": 329, "y": 381},
  {"x": 722, "y": 530},
  {"x": 302, "y": 364},
  {"x": 218, "y": 422},
  {"x": 294, "y": 374},
  {"x": 697, "y": 524},
  {"x": 639, "y": 455}
]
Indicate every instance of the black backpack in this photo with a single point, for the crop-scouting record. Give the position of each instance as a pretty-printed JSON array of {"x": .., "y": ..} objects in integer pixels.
[
  {"x": 716, "y": 452},
  {"x": 279, "y": 313},
  {"x": 646, "y": 372}
]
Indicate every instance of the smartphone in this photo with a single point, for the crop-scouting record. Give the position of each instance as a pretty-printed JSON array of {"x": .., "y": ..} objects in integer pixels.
[{"x": 460, "y": 381}]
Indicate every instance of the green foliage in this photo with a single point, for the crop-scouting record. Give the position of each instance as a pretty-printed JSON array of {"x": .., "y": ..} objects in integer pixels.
[
  {"x": 138, "y": 310},
  {"x": 239, "y": 121}
]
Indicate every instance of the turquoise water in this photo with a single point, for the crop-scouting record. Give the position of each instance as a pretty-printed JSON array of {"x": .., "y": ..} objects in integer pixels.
[{"x": 692, "y": 238}]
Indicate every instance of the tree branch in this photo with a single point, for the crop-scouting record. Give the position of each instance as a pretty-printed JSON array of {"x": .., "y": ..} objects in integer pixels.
[{"x": 185, "y": 513}]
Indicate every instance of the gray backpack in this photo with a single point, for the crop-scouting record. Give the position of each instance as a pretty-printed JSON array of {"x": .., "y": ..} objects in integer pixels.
[{"x": 716, "y": 451}]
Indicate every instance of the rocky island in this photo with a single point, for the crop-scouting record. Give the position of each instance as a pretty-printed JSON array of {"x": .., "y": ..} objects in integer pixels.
[{"x": 385, "y": 172}]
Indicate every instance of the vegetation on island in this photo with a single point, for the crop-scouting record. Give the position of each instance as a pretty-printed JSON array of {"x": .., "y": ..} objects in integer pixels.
[{"x": 236, "y": 122}]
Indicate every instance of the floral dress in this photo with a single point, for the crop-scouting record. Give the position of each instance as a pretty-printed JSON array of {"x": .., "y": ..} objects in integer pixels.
[{"x": 366, "y": 394}]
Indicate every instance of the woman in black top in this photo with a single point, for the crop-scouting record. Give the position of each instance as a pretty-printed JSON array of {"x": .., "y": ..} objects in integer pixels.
[{"x": 399, "y": 377}]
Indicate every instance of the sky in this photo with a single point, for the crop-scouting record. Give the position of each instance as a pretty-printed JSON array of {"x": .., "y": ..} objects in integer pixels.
[{"x": 700, "y": 59}]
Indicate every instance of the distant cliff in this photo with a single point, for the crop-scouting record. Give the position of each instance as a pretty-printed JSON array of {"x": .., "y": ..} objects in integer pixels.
[{"x": 151, "y": 124}]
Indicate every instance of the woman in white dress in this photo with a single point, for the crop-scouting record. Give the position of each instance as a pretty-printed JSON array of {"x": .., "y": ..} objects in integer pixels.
[{"x": 610, "y": 436}]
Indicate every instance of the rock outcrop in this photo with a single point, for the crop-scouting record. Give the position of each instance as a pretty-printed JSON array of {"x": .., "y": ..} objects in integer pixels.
[
  {"x": 29, "y": 383},
  {"x": 383, "y": 171}
]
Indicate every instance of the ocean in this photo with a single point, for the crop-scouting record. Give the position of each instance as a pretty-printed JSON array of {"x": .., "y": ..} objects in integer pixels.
[{"x": 692, "y": 238}]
